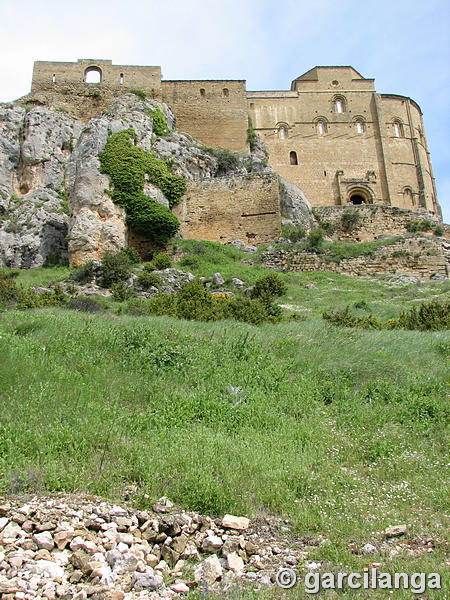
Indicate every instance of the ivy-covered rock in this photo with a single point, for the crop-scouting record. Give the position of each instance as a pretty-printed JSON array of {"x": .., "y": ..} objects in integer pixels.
[{"x": 129, "y": 167}]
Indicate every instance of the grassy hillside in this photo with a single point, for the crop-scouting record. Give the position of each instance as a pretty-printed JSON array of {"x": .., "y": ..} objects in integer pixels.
[{"x": 340, "y": 430}]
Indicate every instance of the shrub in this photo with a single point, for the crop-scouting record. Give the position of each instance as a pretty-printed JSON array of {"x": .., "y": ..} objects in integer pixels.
[
  {"x": 33, "y": 299},
  {"x": 226, "y": 160},
  {"x": 343, "y": 318},
  {"x": 159, "y": 122},
  {"x": 115, "y": 267},
  {"x": 10, "y": 292},
  {"x": 139, "y": 93},
  {"x": 161, "y": 261},
  {"x": 84, "y": 304},
  {"x": 349, "y": 220},
  {"x": 131, "y": 253},
  {"x": 190, "y": 261},
  {"x": 314, "y": 240},
  {"x": 432, "y": 315},
  {"x": 249, "y": 310},
  {"x": 194, "y": 302},
  {"x": 84, "y": 273},
  {"x": 415, "y": 226},
  {"x": 295, "y": 233},
  {"x": 122, "y": 292},
  {"x": 269, "y": 285},
  {"x": 147, "y": 279},
  {"x": 438, "y": 230},
  {"x": 251, "y": 135}
]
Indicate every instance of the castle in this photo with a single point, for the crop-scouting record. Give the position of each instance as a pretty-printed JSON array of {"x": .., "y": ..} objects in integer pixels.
[{"x": 331, "y": 134}]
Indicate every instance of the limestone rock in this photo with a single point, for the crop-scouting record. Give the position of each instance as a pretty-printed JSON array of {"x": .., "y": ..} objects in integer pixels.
[
  {"x": 218, "y": 279},
  {"x": 144, "y": 581},
  {"x": 44, "y": 540},
  {"x": 208, "y": 570},
  {"x": 395, "y": 531},
  {"x": 294, "y": 206},
  {"x": 238, "y": 523}
]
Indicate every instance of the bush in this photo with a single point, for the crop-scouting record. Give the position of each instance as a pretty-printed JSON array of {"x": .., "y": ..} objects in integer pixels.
[
  {"x": 122, "y": 292},
  {"x": 249, "y": 310},
  {"x": 139, "y": 93},
  {"x": 160, "y": 261},
  {"x": 415, "y": 226},
  {"x": 131, "y": 253},
  {"x": 8, "y": 273},
  {"x": 146, "y": 279},
  {"x": 194, "y": 302},
  {"x": 295, "y": 233},
  {"x": 10, "y": 292},
  {"x": 438, "y": 230},
  {"x": 33, "y": 299},
  {"x": 343, "y": 318},
  {"x": 115, "y": 268},
  {"x": 432, "y": 315},
  {"x": 226, "y": 160},
  {"x": 190, "y": 261},
  {"x": 314, "y": 241},
  {"x": 349, "y": 220},
  {"x": 84, "y": 304},
  {"x": 84, "y": 273},
  {"x": 159, "y": 122},
  {"x": 269, "y": 285}
]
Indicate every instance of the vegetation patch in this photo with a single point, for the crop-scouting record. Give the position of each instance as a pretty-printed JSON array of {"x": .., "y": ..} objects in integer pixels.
[
  {"x": 431, "y": 315},
  {"x": 160, "y": 127},
  {"x": 129, "y": 166}
]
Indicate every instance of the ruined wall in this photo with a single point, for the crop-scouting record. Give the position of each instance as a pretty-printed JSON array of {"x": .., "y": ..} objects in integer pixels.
[
  {"x": 421, "y": 257},
  {"x": 373, "y": 221},
  {"x": 224, "y": 210},
  {"x": 213, "y": 112},
  {"x": 48, "y": 75}
]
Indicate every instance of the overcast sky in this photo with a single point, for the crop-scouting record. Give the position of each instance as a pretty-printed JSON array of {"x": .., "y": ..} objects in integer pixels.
[{"x": 403, "y": 44}]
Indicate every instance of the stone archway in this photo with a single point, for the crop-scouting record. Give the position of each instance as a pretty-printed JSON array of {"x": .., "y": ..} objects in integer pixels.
[{"x": 359, "y": 195}]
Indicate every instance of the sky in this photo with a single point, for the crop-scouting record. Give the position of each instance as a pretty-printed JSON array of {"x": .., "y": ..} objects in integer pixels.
[{"x": 404, "y": 45}]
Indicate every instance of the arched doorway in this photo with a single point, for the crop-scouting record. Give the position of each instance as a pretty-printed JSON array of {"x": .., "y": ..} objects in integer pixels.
[
  {"x": 357, "y": 199},
  {"x": 92, "y": 75}
]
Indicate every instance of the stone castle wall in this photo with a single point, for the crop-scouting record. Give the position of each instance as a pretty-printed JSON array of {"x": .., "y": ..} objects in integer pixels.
[
  {"x": 224, "y": 210},
  {"x": 214, "y": 112},
  {"x": 331, "y": 134}
]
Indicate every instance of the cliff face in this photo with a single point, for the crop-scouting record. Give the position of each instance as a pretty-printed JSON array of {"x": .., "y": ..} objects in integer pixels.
[{"x": 53, "y": 199}]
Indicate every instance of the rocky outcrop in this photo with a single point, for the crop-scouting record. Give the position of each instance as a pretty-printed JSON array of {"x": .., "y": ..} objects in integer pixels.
[
  {"x": 294, "y": 206},
  {"x": 54, "y": 201},
  {"x": 34, "y": 148}
]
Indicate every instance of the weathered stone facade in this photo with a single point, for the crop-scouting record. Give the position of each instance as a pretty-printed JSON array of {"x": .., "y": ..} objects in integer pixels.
[
  {"x": 223, "y": 210},
  {"x": 331, "y": 134}
]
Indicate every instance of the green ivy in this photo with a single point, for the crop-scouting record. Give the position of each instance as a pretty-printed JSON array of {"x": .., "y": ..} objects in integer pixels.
[
  {"x": 160, "y": 127},
  {"x": 129, "y": 166}
]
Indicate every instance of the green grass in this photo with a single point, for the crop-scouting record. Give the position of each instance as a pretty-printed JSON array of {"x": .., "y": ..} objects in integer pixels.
[{"x": 342, "y": 431}]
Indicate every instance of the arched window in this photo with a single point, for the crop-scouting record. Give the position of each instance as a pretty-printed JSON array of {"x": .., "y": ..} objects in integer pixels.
[
  {"x": 121, "y": 79},
  {"x": 293, "y": 158},
  {"x": 226, "y": 92},
  {"x": 339, "y": 104},
  {"x": 398, "y": 128},
  {"x": 282, "y": 132},
  {"x": 321, "y": 126},
  {"x": 93, "y": 75},
  {"x": 202, "y": 92},
  {"x": 408, "y": 197},
  {"x": 359, "y": 124},
  {"x": 53, "y": 78}
]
